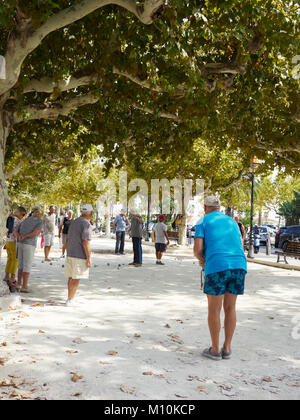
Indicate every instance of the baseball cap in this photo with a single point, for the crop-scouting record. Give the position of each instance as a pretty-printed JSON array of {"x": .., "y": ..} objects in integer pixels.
[
  {"x": 86, "y": 208},
  {"x": 161, "y": 218},
  {"x": 212, "y": 201}
]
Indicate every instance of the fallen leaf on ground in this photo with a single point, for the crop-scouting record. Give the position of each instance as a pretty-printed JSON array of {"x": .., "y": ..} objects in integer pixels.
[
  {"x": 137, "y": 335},
  {"x": 3, "y": 360},
  {"x": 41, "y": 332},
  {"x": 4, "y": 344},
  {"x": 148, "y": 373},
  {"x": 200, "y": 388},
  {"x": 167, "y": 326},
  {"x": 71, "y": 351},
  {"x": 112, "y": 352},
  {"x": 77, "y": 394},
  {"x": 127, "y": 390},
  {"x": 76, "y": 377},
  {"x": 36, "y": 304},
  {"x": 79, "y": 341},
  {"x": 23, "y": 315},
  {"x": 267, "y": 379}
]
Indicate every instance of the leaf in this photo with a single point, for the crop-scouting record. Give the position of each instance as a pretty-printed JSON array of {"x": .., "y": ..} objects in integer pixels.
[
  {"x": 72, "y": 351},
  {"x": 201, "y": 388},
  {"x": 76, "y": 377},
  {"x": 267, "y": 379},
  {"x": 148, "y": 373},
  {"x": 112, "y": 353},
  {"x": 36, "y": 304},
  {"x": 41, "y": 332},
  {"x": 3, "y": 360}
]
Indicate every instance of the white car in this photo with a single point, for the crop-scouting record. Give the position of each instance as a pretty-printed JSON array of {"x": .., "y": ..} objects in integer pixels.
[{"x": 264, "y": 231}]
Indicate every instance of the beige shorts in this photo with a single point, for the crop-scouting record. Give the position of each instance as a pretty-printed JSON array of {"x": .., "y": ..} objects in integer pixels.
[
  {"x": 64, "y": 239},
  {"x": 49, "y": 239},
  {"x": 76, "y": 268}
]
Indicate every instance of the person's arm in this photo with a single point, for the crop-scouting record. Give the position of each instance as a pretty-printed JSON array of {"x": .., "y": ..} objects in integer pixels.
[
  {"x": 33, "y": 234},
  {"x": 61, "y": 227},
  {"x": 198, "y": 250},
  {"x": 167, "y": 237},
  {"x": 87, "y": 250}
]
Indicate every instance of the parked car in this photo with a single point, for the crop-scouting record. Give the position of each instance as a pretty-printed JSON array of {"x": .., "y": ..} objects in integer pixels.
[
  {"x": 291, "y": 232},
  {"x": 277, "y": 236},
  {"x": 264, "y": 231},
  {"x": 190, "y": 230}
]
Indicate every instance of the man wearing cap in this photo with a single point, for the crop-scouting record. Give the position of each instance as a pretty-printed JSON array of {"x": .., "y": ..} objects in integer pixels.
[
  {"x": 161, "y": 239},
  {"x": 78, "y": 260},
  {"x": 218, "y": 247},
  {"x": 120, "y": 223},
  {"x": 136, "y": 228}
]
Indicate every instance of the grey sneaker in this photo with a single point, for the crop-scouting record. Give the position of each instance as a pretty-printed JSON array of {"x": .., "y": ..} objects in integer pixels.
[{"x": 214, "y": 356}]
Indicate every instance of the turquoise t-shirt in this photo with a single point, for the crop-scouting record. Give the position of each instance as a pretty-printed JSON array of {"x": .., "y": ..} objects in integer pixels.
[{"x": 222, "y": 243}]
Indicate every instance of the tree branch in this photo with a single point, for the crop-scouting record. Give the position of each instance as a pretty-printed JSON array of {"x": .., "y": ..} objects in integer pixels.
[
  {"x": 51, "y": 111},
  {"x": 161, "y": 114},
  {"x": 24, "y": 39},
  {"x": 48, "y": 85}
]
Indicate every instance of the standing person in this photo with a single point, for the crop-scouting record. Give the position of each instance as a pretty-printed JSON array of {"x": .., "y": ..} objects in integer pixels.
[
  {"x": 49, "y": 231},
  {"x": 136, "y": 228},
  {"x": 242, "y": 229},
  {"x": 64, "y": 229},
  {"x": 13, "y": 222},
  {"x": 120, "y": 223},
  {"x": 78, "y": 260},
  {"x": 218, "y": 247},
  {"x": 161, "y": 239},
  {"x": 27, "y": 233}
]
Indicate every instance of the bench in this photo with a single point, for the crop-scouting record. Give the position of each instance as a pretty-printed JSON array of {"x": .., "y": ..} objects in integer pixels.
[
  {"x": 292, "y": 249},
  {"x": 173, "y": 236}
]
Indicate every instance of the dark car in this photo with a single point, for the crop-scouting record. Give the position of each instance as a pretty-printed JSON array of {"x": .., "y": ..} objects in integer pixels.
[
  {"x": 291, "y": 232},
  {"x": 277, "y": 236}
]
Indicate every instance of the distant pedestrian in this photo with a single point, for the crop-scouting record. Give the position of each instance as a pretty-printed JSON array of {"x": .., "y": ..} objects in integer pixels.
[
  {"x": 120, "y": 223},
  {"x": 49, "y": 231},
  {"x": 27, "y": 233},
  {"x": 64, "y": 229},
  {"x": 218, "y": 247},
  {"x": 78, "y": 260},
  {"x": 241, "y": 227},
  {"x": 136, "y": 229},
  {"x": 161, "y": 239},
  {"x": 13, "y": 222}
]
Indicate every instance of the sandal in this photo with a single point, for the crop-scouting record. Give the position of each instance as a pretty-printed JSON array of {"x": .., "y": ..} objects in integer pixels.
[
  {"x": 25, "y": 290},
  {"x": 210, "y": 355}
]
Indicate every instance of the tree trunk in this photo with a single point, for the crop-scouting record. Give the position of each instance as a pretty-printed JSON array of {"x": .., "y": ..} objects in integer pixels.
[{"x": 5, "y": 204}]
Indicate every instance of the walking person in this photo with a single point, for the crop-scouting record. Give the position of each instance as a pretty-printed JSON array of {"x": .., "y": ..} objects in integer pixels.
[
  {"x": 27, "y": 233},
  {"x": 49, "y": 231},
  {"x": 78, "y": 260},
  {"x": 64, "y": 229},
  {"x": 136, "y": 229},
  {"x": 120, "y": 223},
  {"x": 218, "y": 247},
  {"x": 161, "y": 239},
  {"x": 13, "y": 222}
]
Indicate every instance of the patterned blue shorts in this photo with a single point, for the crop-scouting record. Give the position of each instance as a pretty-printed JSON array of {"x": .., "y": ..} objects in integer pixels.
[{"x": 228, "y": 281}]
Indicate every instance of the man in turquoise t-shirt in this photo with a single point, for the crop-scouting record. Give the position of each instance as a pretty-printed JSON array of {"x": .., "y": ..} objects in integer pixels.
[{"x": 218, "y": 247}]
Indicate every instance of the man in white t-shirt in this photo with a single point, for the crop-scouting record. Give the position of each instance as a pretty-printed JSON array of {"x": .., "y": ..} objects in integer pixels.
[
  {"x": 161, "y": 239},
  {"x": 49, "y": 231}
]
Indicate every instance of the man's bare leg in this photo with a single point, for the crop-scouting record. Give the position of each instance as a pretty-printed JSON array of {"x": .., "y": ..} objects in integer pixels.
[
  {"x": 47, "y": 251},
  {"x": 215, "y": 304},
  {"x": 72, "y": 287},
  {"x": 230, "y": 320},
  {"x": 25, "y": 281},
  {"x": 20, "y": 279}
]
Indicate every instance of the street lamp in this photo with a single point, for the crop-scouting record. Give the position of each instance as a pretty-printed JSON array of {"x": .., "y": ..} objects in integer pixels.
[{"x": 254, "y": 164}]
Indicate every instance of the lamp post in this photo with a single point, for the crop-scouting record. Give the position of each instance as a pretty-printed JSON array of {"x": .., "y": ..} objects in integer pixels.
[{"x": 254, "y": 162}]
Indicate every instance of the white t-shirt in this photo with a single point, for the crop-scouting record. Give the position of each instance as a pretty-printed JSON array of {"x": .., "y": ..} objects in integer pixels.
[{"x": 159, "y": 230}]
